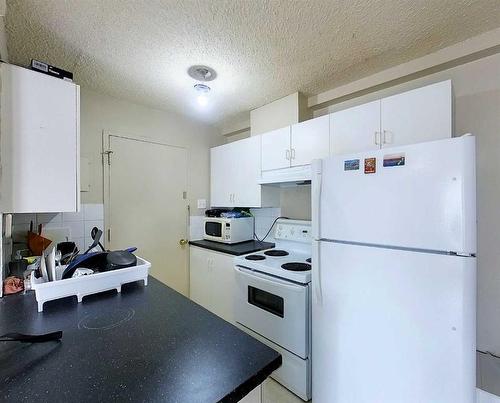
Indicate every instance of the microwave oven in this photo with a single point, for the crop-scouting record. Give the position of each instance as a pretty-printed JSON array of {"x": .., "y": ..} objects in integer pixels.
[{"x": 228, "y": 230}]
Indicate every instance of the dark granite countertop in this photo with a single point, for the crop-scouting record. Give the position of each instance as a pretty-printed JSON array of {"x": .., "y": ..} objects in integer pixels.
[
  {"x": 147, "y": 344},
  {"x": 236, "y": 249}
]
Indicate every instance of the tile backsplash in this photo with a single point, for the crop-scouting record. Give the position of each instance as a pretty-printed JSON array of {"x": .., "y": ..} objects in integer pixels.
[
  {"x": 196, "y": 227},
  {"x": 264, "y": 218},
  {"x": 75, "y": 227}
]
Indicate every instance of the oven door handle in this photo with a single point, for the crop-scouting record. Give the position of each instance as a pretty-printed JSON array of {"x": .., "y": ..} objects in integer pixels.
[{"x": 268, "y": 279}]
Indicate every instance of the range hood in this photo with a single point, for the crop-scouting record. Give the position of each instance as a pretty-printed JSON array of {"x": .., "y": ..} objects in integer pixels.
[{"x": 287, "y": 176}]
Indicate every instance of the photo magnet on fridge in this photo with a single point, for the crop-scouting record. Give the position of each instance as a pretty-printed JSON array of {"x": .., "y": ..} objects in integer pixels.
[
  {"x": 370, "y": 165},
  {"x": 394, "y": 160},
  {"x": 351, "y": 165}
]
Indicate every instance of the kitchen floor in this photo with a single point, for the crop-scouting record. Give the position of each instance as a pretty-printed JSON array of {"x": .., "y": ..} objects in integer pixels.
[{"x": 273, "y": 392}]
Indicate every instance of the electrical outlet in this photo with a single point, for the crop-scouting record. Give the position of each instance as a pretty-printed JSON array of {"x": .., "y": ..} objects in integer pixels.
[{"x": 202, "y": 203}]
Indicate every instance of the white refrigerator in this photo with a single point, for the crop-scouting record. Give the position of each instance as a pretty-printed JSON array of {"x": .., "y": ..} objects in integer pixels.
[{"x": 394, "y": 275}]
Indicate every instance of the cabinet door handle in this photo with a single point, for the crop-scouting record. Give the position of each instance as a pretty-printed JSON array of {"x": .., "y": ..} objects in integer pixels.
[
  {"x": 387, "y": 139},
  {"x": 287, "y": 154},
  {"x": 376, "y": 138},
  {"x": 293, "y": 154}
]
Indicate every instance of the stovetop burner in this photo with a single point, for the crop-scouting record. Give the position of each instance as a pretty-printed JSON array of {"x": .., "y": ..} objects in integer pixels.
[
  {"x": 296, "y": 266},
  {"x": 276, "y": 252},
  {"x": 308, "y": 260},
  {"x": 255, "y": 257}
]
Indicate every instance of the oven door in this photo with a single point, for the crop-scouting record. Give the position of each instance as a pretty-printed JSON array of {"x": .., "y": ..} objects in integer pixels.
[{"x": 274, "y": 308}]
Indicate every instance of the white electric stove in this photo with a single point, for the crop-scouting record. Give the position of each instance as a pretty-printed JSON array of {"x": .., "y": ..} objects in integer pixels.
[
  {"x": 290, "y": 259},
  {"x": 273, "y": 301}
]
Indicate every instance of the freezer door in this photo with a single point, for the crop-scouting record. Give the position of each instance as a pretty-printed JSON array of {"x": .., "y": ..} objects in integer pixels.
[
  {"x": 393, "y": 326},
  {"x": 424, "y": 197}
]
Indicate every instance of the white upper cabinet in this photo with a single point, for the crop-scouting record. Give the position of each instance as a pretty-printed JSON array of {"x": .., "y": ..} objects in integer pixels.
[
  {"x": 416, "y": 116},
  {"x": 235, "y": 174},
  {"x": 355, "y": 129},
  {"x": 246, "y": 166},
  {"x": 221, "y": 175},
  {"x": 310, "y": 140},
  {"x": 40, "y": 125},
  {"x": 276, "y": 149},
  {"x": 424, "y": 114}
]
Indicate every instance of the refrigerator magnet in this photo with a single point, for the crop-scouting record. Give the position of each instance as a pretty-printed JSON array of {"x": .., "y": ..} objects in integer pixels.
[
  {"x": 394, "y": 160},
  {"x": 370, "y": 165},
  {"x": 351, "y": 165}
]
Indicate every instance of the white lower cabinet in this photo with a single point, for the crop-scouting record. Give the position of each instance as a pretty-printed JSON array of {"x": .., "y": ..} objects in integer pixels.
[{"x": 211, "y": 278}]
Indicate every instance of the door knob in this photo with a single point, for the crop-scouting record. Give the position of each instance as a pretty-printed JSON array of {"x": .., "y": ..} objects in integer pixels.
[{"x": 183, "y": 242}]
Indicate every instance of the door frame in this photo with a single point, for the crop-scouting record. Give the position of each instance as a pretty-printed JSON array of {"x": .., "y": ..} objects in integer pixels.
[{"x": 106, "y": 155}]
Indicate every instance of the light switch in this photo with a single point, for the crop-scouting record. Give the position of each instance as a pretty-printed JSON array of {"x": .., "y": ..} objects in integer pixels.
[{"x": 202, "y": 203}]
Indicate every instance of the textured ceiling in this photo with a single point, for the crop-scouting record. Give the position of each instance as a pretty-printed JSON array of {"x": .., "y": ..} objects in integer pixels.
[{"x": 262, "y": 50}]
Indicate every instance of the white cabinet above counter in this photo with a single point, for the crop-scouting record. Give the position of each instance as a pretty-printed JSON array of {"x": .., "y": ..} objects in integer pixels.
[
  {"x": 423, "y": 114},
  {"x": 235, "y": 170},
  {"x": 40, "y": 142},
  {"x": 243, "y": 170},
  {"x": 287, "y": 153},
  {"x": 310, "y": 140}
]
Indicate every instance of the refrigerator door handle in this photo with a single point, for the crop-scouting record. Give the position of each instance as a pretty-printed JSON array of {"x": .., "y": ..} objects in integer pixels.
[
  {"x": 317, "y": 169},
  {"x": 316, "y": 179},
  {"x": 316, "y": 273}
]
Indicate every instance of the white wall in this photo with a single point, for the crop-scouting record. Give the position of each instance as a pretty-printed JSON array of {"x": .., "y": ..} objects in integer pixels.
[
  {"x": 3, "y": 37},
  {"x": 476, "y": 87},
  {"x": 100, "y": 112}
]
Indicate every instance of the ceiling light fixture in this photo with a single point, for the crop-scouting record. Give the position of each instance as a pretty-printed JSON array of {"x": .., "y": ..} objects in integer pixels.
[
  {"x": 202, "y": 73},
  {"x": 202, "y": 91}
]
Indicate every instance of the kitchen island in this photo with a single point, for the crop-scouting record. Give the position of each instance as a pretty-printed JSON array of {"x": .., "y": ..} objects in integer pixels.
[{"x": 146, "y": 344}]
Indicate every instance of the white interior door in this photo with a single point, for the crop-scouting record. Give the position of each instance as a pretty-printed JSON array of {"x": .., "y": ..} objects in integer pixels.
[{"x": 146, "y": 205}]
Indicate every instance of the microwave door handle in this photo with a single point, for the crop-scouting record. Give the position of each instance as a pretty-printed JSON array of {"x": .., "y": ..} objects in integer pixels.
[{"x": 268, "y": 279}]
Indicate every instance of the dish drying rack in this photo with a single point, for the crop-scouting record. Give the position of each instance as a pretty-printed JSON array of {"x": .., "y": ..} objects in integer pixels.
[{"x": 88, "y": 285}]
